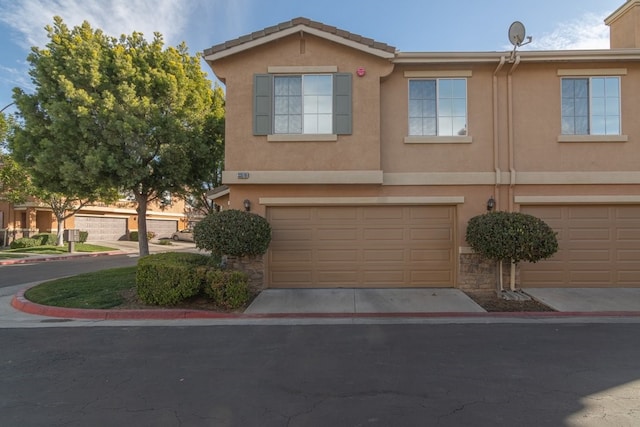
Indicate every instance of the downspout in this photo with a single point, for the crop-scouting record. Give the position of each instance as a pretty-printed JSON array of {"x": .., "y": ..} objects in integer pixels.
[
  {"x": 512, "y": 170},
  {"x": 496, "y": 148}
]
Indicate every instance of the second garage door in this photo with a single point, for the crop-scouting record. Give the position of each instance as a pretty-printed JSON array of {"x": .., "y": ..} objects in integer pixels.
[
  {"x": 598, "y": 246},
  {"x": 102, "y": 228},
  {"x": 361, "y": 246},
  {"x": 163, "y": 229}
]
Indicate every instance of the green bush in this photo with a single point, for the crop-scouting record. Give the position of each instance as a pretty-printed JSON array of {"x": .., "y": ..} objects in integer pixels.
[
  {"x": 170, "y": 277},
  {"x": 133, "y": 235},
  {"x": 25, "y": 242},
  {"x": 46, "y": 239},
  {"x": 228, "y": 289},
  {"x": 84, "y": 235},
  {"x": 511, "y": 236},
  {"x": 233, "y": 232}
]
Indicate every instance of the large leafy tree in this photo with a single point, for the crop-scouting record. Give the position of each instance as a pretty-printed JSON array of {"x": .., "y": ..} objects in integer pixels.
[
  {"x": 212, "y": 160},
  {"x": 110, "y": 113}
]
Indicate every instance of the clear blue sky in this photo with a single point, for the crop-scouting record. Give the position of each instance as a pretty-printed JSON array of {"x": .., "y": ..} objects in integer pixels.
[{"x": 409, "y": 25}]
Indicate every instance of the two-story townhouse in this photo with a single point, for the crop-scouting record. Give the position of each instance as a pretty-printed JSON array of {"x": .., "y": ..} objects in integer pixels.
[
  {"x": 103, "y": 222},
  {"x": 368, "y": 162}
]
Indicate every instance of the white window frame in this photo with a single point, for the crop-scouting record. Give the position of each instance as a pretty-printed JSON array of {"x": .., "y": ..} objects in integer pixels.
[
  {"x": 305, "y": 125},
  {"x": 590, "y": 107},
  {"x": 439, "y": 114}
]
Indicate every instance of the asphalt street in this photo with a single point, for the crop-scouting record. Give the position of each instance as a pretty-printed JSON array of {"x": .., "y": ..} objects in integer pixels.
[
  {"x": 19, "y": 274},
  {"x": 322, "y": 375}
]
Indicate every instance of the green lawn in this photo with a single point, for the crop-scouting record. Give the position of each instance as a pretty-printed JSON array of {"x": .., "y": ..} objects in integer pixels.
[
  {"x": 4, "y": 255},
  {"x": 101, "y": 289},
  {"x": 48, "y": 250}
]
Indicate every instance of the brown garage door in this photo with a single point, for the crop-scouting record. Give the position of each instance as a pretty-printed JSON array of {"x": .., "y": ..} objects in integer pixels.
[
  {"x": 598, "y": 246},
  {"x": 361, "y": 246},
  {"x": 102, "y": 228}
]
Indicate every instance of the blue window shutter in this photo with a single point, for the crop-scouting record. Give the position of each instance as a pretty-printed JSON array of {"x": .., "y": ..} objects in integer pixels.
[
  {"x": 262, "y": 104},
  {"x": 342, "y": 104}
]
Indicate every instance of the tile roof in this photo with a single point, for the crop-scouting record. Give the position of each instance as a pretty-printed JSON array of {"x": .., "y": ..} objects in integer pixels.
[{"x": 293, "y": 23}]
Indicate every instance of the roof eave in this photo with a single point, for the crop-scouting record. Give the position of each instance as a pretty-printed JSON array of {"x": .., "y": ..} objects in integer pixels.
[
  {"x": 525, "y": 56},
  {"x": 294, "y": 30}
]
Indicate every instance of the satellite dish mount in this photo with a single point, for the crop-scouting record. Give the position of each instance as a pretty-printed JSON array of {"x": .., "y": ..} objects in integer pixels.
[{"x": 518, "y": 37}]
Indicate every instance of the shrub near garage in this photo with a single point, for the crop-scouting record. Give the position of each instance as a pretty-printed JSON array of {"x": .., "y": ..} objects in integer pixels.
[
  {"x": 511, "y": 236},
  {"x": 234, "y": 233},
  {"x": 227, "y": 289},
  {"x": 169, "y": 278}
]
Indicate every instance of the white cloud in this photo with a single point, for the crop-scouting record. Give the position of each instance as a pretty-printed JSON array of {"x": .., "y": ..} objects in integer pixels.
[
  {"x": 114, "y": 17},
  {"x": 586, "y": 32}
]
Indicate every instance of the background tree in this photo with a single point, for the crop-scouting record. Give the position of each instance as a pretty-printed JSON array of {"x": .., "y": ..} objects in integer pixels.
[
  {"x": 212, "y": 160},
  {"x": 110, "y": 113},
  {"x": 15, "y": 186}
]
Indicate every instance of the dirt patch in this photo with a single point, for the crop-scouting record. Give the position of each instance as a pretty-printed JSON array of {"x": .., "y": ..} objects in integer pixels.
[
  {"x": 490, "y": 301},
  {"x": 132, "y": 302}
]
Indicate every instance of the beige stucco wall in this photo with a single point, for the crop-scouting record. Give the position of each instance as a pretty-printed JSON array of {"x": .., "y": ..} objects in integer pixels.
[
  {"x": 244, "y": 151},
  {"x": 624, "y": 29}
]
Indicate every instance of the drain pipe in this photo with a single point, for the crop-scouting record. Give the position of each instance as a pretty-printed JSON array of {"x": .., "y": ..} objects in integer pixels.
[
  {"x": 496, "y": 152},
  {"x": 512, "y": 170}
]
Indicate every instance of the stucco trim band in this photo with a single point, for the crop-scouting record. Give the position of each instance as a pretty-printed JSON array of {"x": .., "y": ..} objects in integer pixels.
[
  {"x": 438, "y": 73},
  {"x": 438, "y": 139},
  {"x": 275, "y": 69},
  {"x": 569, "y": 178},
  {"x": 302, "y": 177},
  {"x": 443, "y": 178},
  {"x": 285, "y": 137},
  {"x": 351, "y": 201},
  {"x": 592, "y": 72},
  {"x": 567, "y": 200},
  {"x": 593, "y": 138}
]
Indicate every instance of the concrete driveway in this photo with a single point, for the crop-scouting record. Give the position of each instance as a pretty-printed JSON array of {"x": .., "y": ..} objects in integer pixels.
[{"x": 588, "y": 299}]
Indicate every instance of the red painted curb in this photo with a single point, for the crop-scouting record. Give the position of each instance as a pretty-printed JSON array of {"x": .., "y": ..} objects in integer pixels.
[{"x": 19, "y": 302}]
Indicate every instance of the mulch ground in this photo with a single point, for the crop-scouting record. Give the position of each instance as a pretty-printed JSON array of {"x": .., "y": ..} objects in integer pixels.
[{"x": 490, "y": 301}]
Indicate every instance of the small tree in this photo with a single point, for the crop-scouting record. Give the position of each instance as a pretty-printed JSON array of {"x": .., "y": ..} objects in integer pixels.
[
  {"x": 511, "y": 236},
  {"x": 234, "y": 233}
]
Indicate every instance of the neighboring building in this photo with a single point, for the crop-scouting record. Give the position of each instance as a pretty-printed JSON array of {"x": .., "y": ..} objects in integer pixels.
[
  {"x": 103, "y": 222},
  {"x": 368, "y": 162}
]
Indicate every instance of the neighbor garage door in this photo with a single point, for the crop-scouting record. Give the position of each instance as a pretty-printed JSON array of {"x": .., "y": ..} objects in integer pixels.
[
  {"x": 361, "y": 246},
  {"x": 162, "y": 228},
  {"x": 102, "y": 228},
  {"x": 599, "y": 246}
]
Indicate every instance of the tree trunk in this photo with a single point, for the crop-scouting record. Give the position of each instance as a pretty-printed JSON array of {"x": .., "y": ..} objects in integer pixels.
[
  {"x": 59, "y": 239},
  {"x": 143, "y": 242}
]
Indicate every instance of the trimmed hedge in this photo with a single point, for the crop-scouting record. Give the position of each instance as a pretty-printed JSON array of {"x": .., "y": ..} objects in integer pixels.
[
  {"x": 168, "y": 278},
  {"x": 227, "y": 289},
  {"x": 234, "y": 233},
  {"x": 133, "y": 235},
  {"x": 511, "y": 236},
  {"x": 25, "y": 242},
  {"x": 46, "y": 239}
]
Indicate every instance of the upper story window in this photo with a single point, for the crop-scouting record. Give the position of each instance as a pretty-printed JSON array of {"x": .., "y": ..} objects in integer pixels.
[
  {"x": 438, "y": 107},
  {"x": 591, "y": 106},
  {"x": 302, "y": 104}
]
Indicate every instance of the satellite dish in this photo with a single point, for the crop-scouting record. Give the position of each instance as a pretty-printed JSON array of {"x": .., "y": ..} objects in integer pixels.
[{"x": 517, "y": 33}]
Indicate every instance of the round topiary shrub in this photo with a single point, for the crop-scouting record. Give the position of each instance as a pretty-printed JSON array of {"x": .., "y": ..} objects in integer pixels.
[
  {"x": 234, "y": 233},
  {"x": 511, "y": 236}
]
